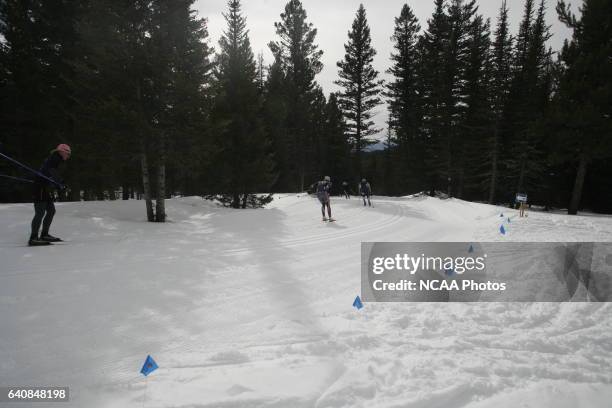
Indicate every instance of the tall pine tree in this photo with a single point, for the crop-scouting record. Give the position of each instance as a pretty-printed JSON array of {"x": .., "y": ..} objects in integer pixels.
[
  {"x": 38, "y": 45},
  {"x": 475, "y": 130},
  {"x": 432, "y": 46},
  {"x": 500, "y": 88},
  {"x": 527, "y": 103},
  {"x": 361, "y": 86},
  {"x": 445, "y": 49},
  {"x": 300, "y": 59},
  {"x": 582, "y": 106},
  {"x": 275, "y": 112},
  {"x": 404, "y": 99},
  {"x": 243, "y": 165}
]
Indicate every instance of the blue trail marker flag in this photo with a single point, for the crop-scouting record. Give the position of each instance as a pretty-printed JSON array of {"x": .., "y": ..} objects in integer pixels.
[
  {"x": 471, "y": 249},
  {"x": 149, "y": 366},
  {"x": 502, "y": 230},
  {"x": 501, "y": 215},
  {"x": 357, "y": 303}
]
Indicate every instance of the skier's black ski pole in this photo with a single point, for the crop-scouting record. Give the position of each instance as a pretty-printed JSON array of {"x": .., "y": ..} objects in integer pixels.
[
  {"x": 31, "y": 170},
  {"x": 16, "y": 178}
]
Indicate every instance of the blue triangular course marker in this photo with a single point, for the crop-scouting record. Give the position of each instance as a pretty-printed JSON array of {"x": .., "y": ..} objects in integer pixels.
[
  {"x": 449, "y": 272},
  {"x": 502, "y": 230},
  {"x": 471, "y": 249},
  {"x": 357, "y": 303},
  {"x": 508, "y": 219},
  {"x": 501, "y": 215},
  {"x": 149, "y": 366}
]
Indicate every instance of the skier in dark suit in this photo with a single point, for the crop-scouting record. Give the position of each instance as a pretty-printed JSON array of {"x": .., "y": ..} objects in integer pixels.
[
  {"x": 324, "y": 195},
  {"x": 366, "y": 191},
  {"x": 43, "y": 195}
]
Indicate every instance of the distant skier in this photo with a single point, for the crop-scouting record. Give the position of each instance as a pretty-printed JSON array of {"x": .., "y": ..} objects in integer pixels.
[
  {"x": 323, "y": 194},
  {"x": 366, "y": 191},
  {"x": 43, "y": 196},
  {"x": 345, "y": 190}
]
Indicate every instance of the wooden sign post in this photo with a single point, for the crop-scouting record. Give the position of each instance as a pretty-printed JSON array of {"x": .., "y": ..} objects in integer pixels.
[{"x": 521, "y": 199}]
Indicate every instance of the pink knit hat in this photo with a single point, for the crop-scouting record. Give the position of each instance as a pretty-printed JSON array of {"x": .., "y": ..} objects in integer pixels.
[{"x": 64, "y": 151}]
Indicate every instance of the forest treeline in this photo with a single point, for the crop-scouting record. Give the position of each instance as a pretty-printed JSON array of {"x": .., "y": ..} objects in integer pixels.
[{"x": 152, "y": 106}]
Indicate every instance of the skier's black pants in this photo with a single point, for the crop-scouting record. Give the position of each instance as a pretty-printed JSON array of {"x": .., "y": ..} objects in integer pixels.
[
  {"x": 364, "y": 199},
  {"x": 325, "y": 204},
  {"x": 43, "y": 213}
]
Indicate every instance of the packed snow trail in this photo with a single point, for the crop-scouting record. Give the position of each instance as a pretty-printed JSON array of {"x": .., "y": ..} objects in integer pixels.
[{"x": 253, "y": 308}]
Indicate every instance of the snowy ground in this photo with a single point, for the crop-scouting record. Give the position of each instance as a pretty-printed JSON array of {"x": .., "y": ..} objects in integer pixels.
[{"x": 253, "y": 309}]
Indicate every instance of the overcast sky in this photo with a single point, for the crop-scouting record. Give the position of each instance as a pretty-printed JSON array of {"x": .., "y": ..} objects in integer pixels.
[{"x": 333, "y": 19}]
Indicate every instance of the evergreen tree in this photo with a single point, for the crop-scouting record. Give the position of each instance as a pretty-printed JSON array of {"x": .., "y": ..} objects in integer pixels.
[
  {"x": 445, "y": 49},
  {"x": 361, "y": 86},
  {"x": 432, "y": 46},
  {"x": 181, "y": 68},
  {"x": 275, "y": 113},
  {"x": 500, "y": 88},
  {"x": 527, "y": 102},
  {"x": 300, "y": 59},
  {"x": 475, "y": 147},
  {"x": 145, "y": 69},
  {"x": 583, "y": 108},
  {"x": 404, "y": 98},
  {"x": 456, "y": 104},
  {"x": 110, "y": 87},
  {"x": 38, "y": 43},
  {"x": 524, "y": 36},
  {"x": 243, "y": 165}
]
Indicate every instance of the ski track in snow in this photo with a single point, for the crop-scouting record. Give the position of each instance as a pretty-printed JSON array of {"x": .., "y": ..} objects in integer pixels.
[{"x": 253, "y": 309}]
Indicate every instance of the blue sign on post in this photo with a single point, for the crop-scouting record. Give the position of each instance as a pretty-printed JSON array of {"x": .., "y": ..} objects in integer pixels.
[
  {"x": 149, "y": 366},
  {"x": 357, "y": 303}
]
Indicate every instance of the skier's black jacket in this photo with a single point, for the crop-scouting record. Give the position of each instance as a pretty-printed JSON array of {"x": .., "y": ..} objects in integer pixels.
[{"x": 42, "y": 188}]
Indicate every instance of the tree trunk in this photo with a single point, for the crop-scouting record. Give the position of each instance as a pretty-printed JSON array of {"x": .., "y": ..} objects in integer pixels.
[
  {"x": 358, "y": 145},
  {"x": 578, "y": 185},
  {"x": 302, "y": 179},
  {"x": 75, "y": 194},
  {"x": 493, "y": 184},
  {"x": 449, "y": 163},
  {"x": 236, "y": 201},
  {"x": 521, "y": 180},
  {"x": 144, "y": 163},
  {"x": 146, "y": 186},
  {"x": 461, "y": 183},
  {"x": 160, "y": 203}
]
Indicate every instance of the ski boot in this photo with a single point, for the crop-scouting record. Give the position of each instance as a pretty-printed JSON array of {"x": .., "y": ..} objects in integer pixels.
[
  {"x": 35, "y": 241},
  {"x": 49, "y": 238}
]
